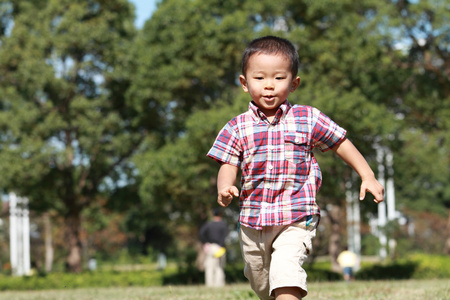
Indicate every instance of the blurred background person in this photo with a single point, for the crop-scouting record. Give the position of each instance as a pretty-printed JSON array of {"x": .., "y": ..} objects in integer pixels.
[
  {"x": 212, "y": 235},
  {"x": 348, "y": 261}
]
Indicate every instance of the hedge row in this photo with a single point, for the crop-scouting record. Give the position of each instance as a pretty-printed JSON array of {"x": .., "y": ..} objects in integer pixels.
[
  {"x": 414, "y": 267},
  {"x": 86, "y": 279},
  {"x": 234, "y": 273}
]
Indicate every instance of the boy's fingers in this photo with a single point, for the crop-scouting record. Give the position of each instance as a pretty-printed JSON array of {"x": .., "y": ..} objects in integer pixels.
[
  {"x": 378, "y": 197},
  {"x": 222, "y": 203},
  {"x": 226, "y": 196},
  {"x": 234, "y": 191},
  {"x": 362, "y": 194}
]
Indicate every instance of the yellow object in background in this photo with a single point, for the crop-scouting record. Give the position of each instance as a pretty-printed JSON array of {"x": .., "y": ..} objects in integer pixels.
[{"x": 220, "y": 252}]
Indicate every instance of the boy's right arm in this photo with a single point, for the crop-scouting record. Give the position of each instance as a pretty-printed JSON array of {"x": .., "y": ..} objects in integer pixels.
[
  {"x": 350, "y": 155},
  {"x": 225, "y": 184}
]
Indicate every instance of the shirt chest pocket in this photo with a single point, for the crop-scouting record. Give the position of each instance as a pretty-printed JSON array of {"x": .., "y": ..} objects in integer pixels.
[{"x": 296, "y": 149}]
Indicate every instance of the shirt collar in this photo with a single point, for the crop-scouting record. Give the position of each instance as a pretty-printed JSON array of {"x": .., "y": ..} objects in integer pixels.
[{"x": 281, "y": 112}]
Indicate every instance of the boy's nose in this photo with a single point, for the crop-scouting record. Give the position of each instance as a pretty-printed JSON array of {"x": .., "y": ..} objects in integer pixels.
[{"x": 268, "y": 85}]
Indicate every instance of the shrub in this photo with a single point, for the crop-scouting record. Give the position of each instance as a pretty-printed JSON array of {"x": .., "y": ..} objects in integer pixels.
[
  {"x": 184, "y": 276},
  {"x": 387, "y": 272},
  {"x": 417, "y": 266},
  {"x": 315, "y": 275},
  {"x": 87, "y": 279},
  {"x": 234, "y": 273},
  {"x": 431, "y": 266}
]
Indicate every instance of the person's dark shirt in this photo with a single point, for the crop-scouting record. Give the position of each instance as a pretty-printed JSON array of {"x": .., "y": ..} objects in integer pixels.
[{"x": 214, "y": 232}]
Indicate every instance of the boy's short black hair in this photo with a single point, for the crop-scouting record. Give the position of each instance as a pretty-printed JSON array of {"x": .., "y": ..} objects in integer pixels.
[{"x": 271, "y": 45}]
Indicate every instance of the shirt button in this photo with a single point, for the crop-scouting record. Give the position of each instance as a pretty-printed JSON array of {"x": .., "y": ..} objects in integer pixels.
[
  {"x": 270, "y": 167},
  {"x": 267, "y": 185},
  {"x": 297, "y": 141}
]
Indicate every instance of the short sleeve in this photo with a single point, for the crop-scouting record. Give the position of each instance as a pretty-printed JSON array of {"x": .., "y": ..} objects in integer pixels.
[
  {"x": 226, "y": 148},
  {"x": 325, "y": 132}
]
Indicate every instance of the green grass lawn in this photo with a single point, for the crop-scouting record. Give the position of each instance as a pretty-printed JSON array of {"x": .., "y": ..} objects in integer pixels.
[{"x": 392, "y": 290}]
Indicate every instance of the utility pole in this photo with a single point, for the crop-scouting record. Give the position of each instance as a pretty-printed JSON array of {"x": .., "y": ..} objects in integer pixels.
[
  {"x": 19, "y": 235},
  {"x": 390, "y": 194},
  {"x": 353, "y": 220},
  {"x": 381, "y": 206},
  {"x": 386, "y": 209}
]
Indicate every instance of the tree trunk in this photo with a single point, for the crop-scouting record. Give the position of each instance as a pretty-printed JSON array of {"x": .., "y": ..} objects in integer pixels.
[
  {"x": 447, "y": 242},
  {"x": 73, "y": 240},
  {"x": 334, "y": 245},
  {"x": 48, "y": 243}
]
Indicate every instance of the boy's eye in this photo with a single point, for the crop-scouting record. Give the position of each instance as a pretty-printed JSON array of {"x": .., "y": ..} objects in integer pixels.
[
  {"x": 279, "y": 78},
  {"x": 258, "y": 78}
]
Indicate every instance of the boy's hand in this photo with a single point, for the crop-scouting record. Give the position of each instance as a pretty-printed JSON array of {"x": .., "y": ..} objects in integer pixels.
[
  {"x": 374, "y": 187},
  {"x": 348, "y": 152},
  {"x": 226, "y": 195}
]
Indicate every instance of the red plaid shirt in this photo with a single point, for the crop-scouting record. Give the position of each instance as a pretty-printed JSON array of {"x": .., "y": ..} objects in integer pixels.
[{"x": 280, "y": 175}]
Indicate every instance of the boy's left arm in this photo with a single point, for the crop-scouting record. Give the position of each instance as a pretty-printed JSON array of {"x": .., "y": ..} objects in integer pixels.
[{"x": 351, "y": 156}]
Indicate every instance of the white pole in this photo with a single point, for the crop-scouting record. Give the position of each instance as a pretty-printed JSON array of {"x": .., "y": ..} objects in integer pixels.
[
  {"x": 348, "y": 206},
  {"x": 382, "y": 205},
  {"x": 26, "y": 237},
  {"x": 19, "y": 238},
  {"x": 353, "y": 221},
  {"x": 356, "y": 229},
  {"x": 390, "y": 190},
  {"x": 19, "y": 235},
  {"x": 390, "y": 195},
  {"x": 13, "y": 232},
  {"x": 357, "y": 225}
]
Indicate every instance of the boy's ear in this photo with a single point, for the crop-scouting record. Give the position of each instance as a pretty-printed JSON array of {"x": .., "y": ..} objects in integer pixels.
[
  {"x": 295, "y": 84},
  {"x": 243, "y": 82}
]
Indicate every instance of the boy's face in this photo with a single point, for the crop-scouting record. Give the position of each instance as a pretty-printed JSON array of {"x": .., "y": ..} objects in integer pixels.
[{"x": 268, "y": 81}]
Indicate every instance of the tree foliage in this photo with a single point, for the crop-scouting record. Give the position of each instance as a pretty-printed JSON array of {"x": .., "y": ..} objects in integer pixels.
[{"x": 66, "y": 129}]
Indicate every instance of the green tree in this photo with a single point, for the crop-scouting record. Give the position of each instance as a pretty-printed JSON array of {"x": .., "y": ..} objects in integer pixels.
[
  {"x": 66, "y": 131},
  {"x": 188, "y": 55},
  {"x": 423, "y": 104},
  {"x": 422, "y": 163}
]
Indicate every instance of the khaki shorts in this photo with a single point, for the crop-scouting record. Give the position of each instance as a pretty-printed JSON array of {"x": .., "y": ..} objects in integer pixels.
[{"x": 274, "y": 255}]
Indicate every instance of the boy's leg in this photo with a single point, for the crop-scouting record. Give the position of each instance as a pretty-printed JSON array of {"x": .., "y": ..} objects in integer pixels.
[
  {"x": 289, "y": 251},
  {"x": 258, "y": 246},
  {"x": 288, "y": 293},
  {"x": 257, "y": 260}
]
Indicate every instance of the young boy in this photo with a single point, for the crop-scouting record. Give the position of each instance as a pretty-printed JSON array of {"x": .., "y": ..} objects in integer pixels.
[{"x": 272, "y": 145}]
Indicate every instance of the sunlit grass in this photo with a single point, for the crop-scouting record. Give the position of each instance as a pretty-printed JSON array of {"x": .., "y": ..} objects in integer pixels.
[{"x": 393, "y": 290}]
